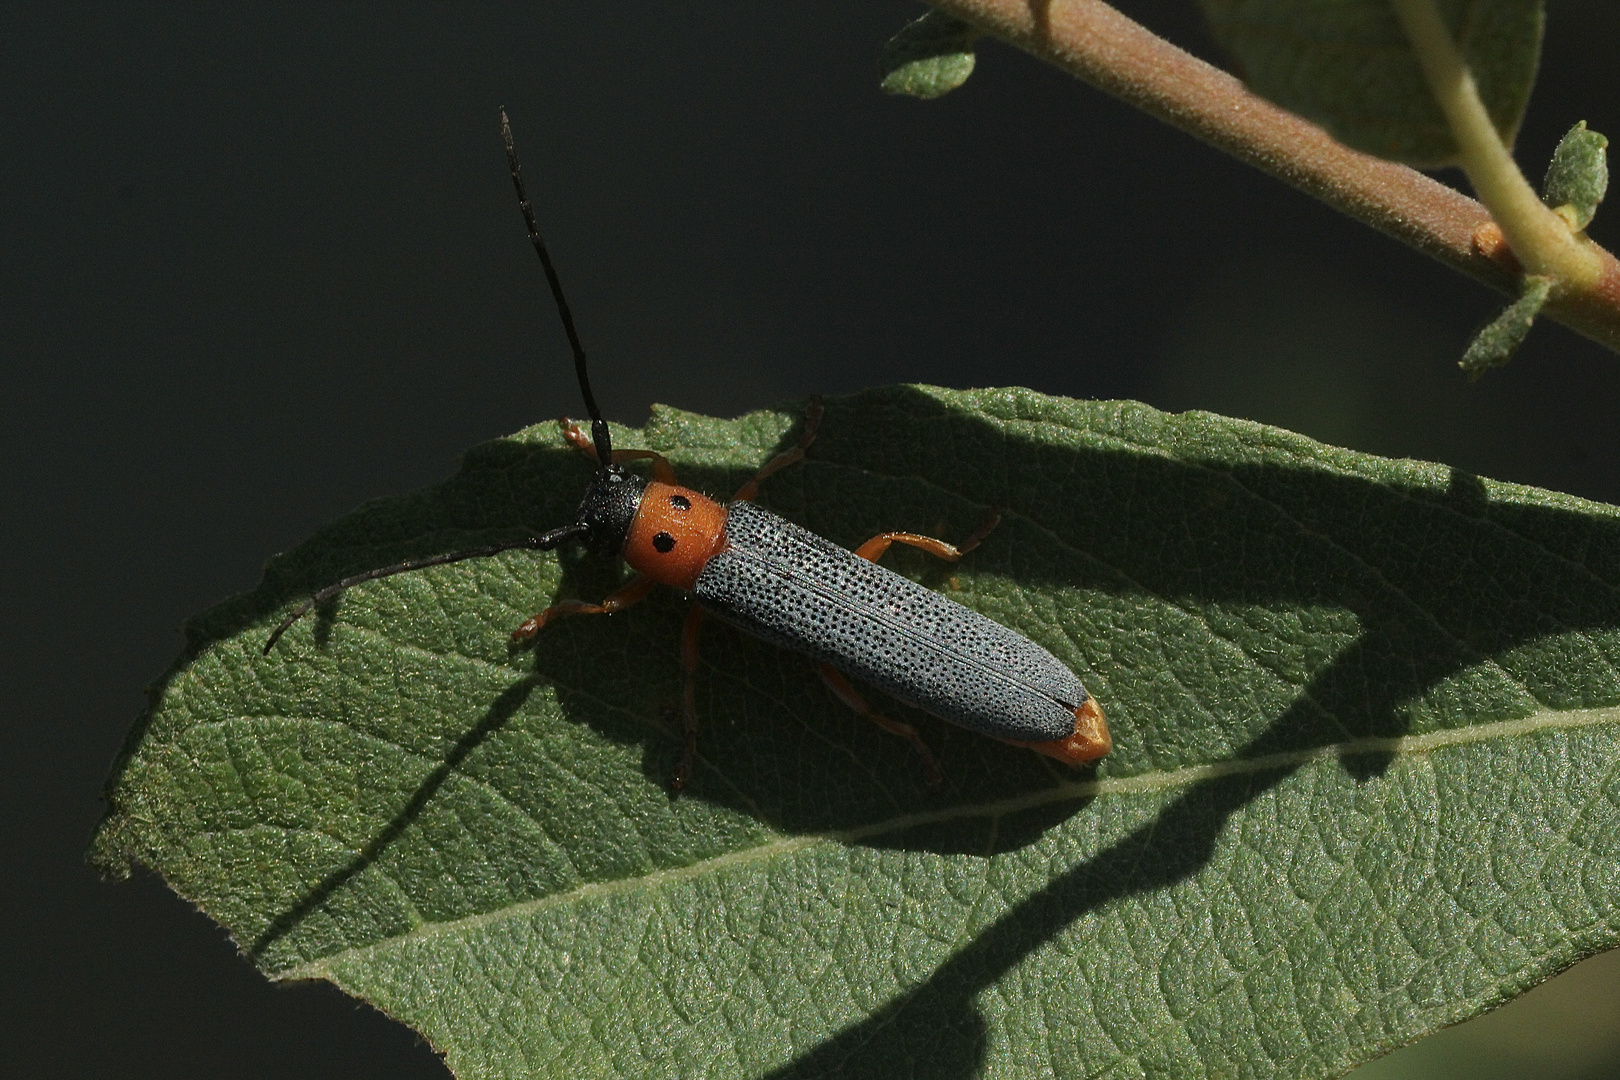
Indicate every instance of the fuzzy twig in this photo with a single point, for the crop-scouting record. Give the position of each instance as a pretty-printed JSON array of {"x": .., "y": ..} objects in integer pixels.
[
  {"x": 1096, "y": 43},
  {"x": 1540, "y": 239}
]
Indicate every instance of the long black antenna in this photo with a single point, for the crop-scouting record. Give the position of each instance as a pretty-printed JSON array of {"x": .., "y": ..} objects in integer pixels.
[
  {"x": 599, "y": 428},
  {"x": 543, "y": 542}
]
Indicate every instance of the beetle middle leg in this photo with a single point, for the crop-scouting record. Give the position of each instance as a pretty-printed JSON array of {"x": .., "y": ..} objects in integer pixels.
[
  {"x": 850, "y": 696},
  {"x": 874, "y": 548},
  {"x": 634, "y": 592}
]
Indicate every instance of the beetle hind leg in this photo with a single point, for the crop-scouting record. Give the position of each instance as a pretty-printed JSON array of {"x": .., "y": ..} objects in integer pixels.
[{"x": 851, "y": 697}]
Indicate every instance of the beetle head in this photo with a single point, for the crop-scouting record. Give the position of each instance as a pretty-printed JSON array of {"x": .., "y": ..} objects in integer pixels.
[{"x": 609, "y": 506}]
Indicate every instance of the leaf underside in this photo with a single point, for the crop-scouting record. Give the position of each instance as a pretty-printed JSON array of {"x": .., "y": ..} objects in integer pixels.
[
  {"x": 1348, "y": 65},
  {"x": 1365, "y": 782}
]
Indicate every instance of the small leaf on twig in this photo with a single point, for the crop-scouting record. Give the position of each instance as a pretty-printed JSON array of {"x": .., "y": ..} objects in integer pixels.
[
  {"x": 928, "y": 58},
  {"x": 1495, "y": 345},
  {"x": 1578, "y": 175}
]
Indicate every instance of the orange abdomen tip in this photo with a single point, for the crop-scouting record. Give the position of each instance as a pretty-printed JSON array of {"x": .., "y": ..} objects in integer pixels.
[{"x": 1089, "y": 742}]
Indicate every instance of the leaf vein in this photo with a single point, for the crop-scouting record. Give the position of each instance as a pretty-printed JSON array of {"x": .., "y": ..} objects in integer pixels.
[{"x": 1149, "y": 783}]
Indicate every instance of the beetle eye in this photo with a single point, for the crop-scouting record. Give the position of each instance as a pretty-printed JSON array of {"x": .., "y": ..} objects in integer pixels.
[
  {"x": 680, "y": 502},
  {"x": 664, "y": 543}
]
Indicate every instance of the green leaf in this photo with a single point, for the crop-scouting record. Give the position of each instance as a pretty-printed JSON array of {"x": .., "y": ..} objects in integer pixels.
[
  {"x": 1495, "y": 345},
  {"x": 929, "y": 57},
  {"x": 1578, "y": 176},
  {"x": 1366, "y": 780},
  {"x": 1348, "y": 65}
]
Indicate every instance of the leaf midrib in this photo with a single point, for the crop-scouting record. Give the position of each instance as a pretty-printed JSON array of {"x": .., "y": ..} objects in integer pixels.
[{"x": 1404, "y": 746}]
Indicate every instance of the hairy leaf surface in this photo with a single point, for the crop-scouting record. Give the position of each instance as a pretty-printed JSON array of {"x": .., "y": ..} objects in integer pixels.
[{"x": 1367, "y": 718}]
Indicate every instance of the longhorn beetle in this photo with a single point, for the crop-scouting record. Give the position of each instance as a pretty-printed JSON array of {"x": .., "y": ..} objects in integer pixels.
[{"x": 786, "y": 585}]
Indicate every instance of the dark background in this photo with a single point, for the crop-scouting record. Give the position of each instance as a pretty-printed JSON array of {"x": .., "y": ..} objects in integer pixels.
[{"x": 261, "y": 263}]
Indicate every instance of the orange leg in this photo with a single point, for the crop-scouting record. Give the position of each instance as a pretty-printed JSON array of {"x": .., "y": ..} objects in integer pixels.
[
  {"x": 663, "y": 471},
  {"x": 812, "y": 421},
  {"x": 874, "y": 548},
  {"x": 635, "y": 591},
  {"x": 689, "y": 663},
  {"x": 577, "y": 438},
  {"x": 851, "y": 697}
]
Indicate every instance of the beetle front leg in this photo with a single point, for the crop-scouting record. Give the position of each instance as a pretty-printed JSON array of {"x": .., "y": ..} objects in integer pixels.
[
  {"x": 663, "y": 471},
  {"x": 812, "y": 421},
  {"x": 634, "y": 592}
]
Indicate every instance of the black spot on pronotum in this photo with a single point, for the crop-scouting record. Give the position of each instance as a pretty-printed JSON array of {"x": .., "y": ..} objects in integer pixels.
[
  {"x": 664, "y": 543},
  {"x": 679, "y": 502}
]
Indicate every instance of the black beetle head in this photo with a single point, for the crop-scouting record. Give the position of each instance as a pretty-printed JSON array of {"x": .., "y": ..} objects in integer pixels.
[{"x": 608, "y": 508}]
